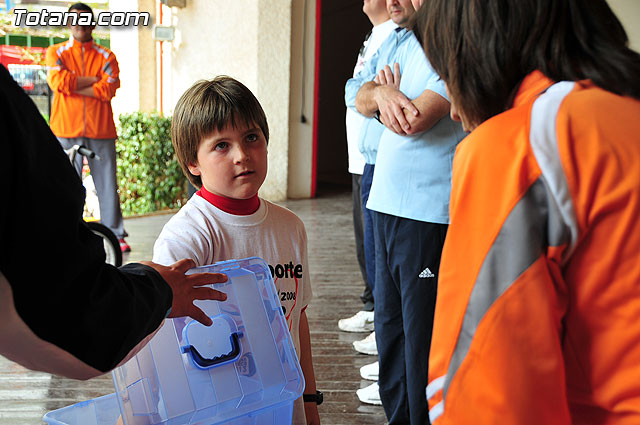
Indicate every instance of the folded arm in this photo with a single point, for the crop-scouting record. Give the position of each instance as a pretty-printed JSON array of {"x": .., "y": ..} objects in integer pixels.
[
  {"x": 431, "y": 108},
  {"x": 85, "y": 86},
  {"x": 397, "y": 112},
  {"x": 60, "y": 79},
  {"x": 389, "y": 102},
  {"x": 103, "y": 90},
  {"x": 109, "y": 81}
]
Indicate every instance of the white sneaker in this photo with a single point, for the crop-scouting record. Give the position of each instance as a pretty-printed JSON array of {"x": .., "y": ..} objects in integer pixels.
[
  {"x": 367, "y": 345},
  {"x": 362, "y": 321},
  {"x": 370, "y": 394},
  {"x": 370, "y": 371}
]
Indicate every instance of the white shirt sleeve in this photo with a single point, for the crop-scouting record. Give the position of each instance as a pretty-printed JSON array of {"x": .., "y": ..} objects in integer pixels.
[{"x": 184, "y": 236}]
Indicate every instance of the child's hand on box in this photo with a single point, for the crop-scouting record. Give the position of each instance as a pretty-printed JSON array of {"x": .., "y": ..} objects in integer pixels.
[{"x": 188, "y": 288}]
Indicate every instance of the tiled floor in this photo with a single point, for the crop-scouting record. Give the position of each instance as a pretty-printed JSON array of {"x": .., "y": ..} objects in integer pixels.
[{"x": 25, "y": 395}]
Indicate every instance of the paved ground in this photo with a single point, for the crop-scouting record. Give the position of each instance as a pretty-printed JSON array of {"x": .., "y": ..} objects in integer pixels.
[{"x": 25, "y": 396}]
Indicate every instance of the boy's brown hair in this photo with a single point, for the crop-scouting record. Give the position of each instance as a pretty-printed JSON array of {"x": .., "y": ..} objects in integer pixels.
[{"x": 208, "y": 106}]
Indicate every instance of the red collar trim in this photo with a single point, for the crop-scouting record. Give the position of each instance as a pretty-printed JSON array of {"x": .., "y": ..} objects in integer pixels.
[{"x": 230, "y": 205}]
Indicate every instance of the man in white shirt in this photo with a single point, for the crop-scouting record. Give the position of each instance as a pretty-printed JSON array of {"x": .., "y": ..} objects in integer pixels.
[
  {"x": 362, "y": 321},
  {"x": 376, "y": 11}
]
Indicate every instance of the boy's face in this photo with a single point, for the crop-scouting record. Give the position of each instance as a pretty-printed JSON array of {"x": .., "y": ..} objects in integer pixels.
[{"x": 232, "y": 162}]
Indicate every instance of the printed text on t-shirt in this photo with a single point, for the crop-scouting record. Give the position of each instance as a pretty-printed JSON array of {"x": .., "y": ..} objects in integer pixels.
[{"x": 286, "y": 270}]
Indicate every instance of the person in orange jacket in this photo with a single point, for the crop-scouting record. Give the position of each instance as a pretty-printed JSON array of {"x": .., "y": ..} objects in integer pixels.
[
  {"x": 537, "y": 316},
  {"x": 84, "y": 77}
]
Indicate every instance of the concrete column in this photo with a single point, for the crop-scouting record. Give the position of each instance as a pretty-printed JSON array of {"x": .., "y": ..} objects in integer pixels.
[
  {"x": 213, "y": 37},
  {"x": 135, "y": 50},
  {"x": 274, "y": 75},
  {"x": 303, "y": 29},
  {"x": 250, "y": 40},
  {"x": 147, "y": 60}
]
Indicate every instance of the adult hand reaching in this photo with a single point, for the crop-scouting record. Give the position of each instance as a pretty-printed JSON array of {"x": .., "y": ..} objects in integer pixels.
[{"x": 188, "y": 288}]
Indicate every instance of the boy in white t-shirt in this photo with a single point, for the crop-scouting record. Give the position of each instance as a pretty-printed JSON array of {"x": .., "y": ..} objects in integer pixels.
[{"x": 220, "y": 136}]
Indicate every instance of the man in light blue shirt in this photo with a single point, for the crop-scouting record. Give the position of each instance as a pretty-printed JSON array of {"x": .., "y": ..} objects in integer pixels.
[
  {"x": 367, "y": 143},
  {"x": 409, "y": 198}
]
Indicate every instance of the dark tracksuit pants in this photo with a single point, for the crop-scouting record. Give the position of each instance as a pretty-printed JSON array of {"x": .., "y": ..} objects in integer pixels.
[
  {"x": 368, "y": 240},
  {"x": 407, "y": 262},
  {"x": 358, "y": 229},
  {"x": 104, "y": 172}
]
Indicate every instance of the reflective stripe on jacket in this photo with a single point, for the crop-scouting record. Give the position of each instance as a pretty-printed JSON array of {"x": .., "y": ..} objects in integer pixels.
[
  {"x": 538, "y": 312},
  {"x": 75, "y": 115}
]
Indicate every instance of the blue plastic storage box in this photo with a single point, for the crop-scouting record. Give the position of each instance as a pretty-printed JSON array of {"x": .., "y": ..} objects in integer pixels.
[{"x": 242, "y": 370}]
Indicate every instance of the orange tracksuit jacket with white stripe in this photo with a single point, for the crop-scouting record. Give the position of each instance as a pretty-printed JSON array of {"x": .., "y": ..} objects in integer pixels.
[
  {"x": 75, "y": 115},
  {"x": 538, "y": 313}
]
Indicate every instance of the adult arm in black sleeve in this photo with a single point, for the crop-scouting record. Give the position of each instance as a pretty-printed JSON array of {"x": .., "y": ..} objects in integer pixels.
[{"x": 53, "y": 264}]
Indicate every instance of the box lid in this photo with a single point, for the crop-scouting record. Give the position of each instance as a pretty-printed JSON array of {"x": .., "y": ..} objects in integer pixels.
[{"x": 243, "y": 363}]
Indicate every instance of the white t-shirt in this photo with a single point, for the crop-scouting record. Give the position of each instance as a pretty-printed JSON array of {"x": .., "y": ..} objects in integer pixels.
[
  {"x": 202, "y": 232},
  {"x": 354, "y": 119}
]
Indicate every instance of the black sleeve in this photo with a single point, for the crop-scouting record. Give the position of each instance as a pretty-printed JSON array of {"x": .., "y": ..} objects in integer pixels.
[{"x": 63, "y": 289}]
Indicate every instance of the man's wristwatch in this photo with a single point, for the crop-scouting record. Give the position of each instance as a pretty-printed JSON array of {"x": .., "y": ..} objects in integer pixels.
[{"x": 316, "y": 398}]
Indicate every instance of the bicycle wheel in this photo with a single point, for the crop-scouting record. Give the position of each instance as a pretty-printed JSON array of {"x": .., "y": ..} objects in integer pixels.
[{"x": 111, "y": 244}]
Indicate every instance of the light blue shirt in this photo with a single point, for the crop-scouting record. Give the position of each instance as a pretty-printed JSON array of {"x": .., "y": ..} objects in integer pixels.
[
  {"x": 371, "y": 129},
  {"x": 412, "y": 178}
]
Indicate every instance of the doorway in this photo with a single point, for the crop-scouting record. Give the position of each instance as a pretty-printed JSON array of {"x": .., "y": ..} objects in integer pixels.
[{"x": 343, "y": 27}]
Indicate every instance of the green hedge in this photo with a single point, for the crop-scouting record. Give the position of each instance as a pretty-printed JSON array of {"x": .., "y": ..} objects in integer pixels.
[{"x": 149, "y": 175}]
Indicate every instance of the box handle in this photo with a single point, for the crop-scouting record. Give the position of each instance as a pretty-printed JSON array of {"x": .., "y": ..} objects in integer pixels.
[{"x": 205, "y": 363}]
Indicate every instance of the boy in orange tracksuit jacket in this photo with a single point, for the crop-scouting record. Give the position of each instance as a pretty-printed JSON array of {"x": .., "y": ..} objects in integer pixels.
[
  {"x": 84, "y": 77},
  {"x": 539, "y": 294}
]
